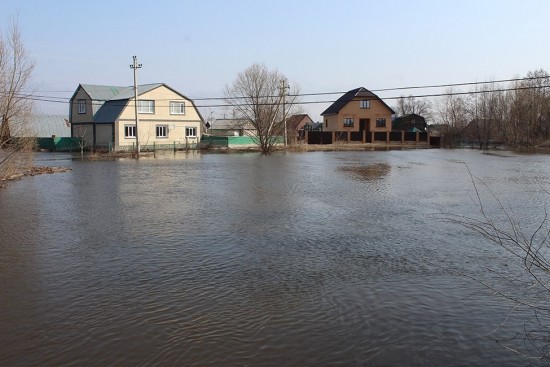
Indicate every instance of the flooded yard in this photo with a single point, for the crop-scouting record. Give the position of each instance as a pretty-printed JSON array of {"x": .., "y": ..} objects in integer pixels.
[{"x": 296, "y": 259}]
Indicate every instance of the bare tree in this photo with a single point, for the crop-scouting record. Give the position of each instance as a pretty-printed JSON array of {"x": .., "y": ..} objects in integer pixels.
[
  {"x": 453, "y": 114},
  {"x": 488, "y": 108},
  {"x": 259, "y": 98},
  {"x": 80, "y": 137},
  {"x": 16, "y": 69},
  {"x": 411, "y": 104},
  {"x": 532, "y": 107},
  {"x": 525, "y": 282}
]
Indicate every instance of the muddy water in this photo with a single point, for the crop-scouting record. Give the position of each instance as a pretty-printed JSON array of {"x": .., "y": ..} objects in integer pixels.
[{"x": 308, "y": 259}]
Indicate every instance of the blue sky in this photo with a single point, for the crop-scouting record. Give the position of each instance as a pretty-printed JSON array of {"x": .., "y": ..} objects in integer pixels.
[{"x": 197, "y": 47}]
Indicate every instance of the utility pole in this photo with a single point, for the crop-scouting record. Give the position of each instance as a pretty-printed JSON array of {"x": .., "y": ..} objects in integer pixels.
[
  {"x": 284, "y": 89},
  {"x": 136, "y": 66}
]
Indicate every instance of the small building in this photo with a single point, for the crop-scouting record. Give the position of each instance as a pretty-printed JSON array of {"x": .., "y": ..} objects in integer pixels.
[
  {"x": 230, "y": 133},
  {"x": 231, "y": 127},
  {"x": 104, "y": 116},
  {"x": 52, "y": 132},
  {"x": 358, "y": 110},
  {"x": 295, "y": 125},
  {"x": 410, "y": 123}
]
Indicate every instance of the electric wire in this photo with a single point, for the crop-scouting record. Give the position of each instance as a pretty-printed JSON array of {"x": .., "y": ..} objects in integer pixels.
[{"x": 229, "y": 103}]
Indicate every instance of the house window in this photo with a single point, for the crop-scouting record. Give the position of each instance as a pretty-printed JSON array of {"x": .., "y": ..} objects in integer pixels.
[
  {"x": 380, "y": 122},
  {"x": 326, "y": 123},
  {"x": 129, "y": 131},
  {"x": 81, "y": 106},
  {"x": 348, "y": 122},
  {"x": 146, "y": 106},
  {"x": 364, "y": 103},
  {"x": 190, "y": 132},
  {"x": 162, "y": 131},
  {"x": 177, "y": 108}
]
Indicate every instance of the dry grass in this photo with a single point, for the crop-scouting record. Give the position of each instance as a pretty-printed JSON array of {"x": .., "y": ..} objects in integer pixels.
[{"x": 30, "y": 171}]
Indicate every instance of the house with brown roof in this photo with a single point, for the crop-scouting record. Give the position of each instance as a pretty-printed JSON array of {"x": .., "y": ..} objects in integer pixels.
[
  {"x": 295, "y": 126},
  {"x": 358, "y": 110}
]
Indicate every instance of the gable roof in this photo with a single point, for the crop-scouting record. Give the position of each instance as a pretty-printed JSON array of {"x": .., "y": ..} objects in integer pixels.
[
  {"x": 111, "y": 100},
  {"x": 410, "y": 115},
  {"x": 100, "y": 92},
  {"x": 111, "y": 93},
  {"x": 296, "y": 119},
  {"x": 231, "y": 124},
  {"x": 348, "y": 97}
]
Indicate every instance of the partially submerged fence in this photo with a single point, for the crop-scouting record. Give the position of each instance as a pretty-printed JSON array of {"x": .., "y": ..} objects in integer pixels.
[
  {"x": 388, "y": 137},
  {"x": 234, "y": 141},
  {"x": 175, "y": 145}
]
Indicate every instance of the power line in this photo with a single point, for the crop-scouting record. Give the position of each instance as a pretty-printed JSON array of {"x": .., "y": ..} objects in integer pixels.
[
  {"x": 53, "y": 99},
  {"x": 372, "y": 90}
]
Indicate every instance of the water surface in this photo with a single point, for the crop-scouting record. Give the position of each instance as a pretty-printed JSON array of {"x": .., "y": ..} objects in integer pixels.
[{"x": 297, "y": 259}]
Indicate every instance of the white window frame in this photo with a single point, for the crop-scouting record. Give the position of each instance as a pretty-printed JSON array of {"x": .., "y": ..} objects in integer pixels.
[
  {"x": 146, "y": 106},
  {"x": 129, "y": 129},
  {"x": 365, "y": 103},
  {"x": 161, "y": 128},
  {"x": 177, "y": 108},
  {"x": 81, "y": 106},
  {"x": 188, "y": 129},
  {"x": 348, "y": 122}
]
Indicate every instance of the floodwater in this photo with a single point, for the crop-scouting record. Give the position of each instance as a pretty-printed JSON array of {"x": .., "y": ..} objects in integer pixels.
[{"x": 296, "y": 259}]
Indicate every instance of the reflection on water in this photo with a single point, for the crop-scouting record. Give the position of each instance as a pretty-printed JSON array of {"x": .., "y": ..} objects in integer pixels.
[
  {"x": 370, "y": 172},
  {"x": 327, "y": 258}
]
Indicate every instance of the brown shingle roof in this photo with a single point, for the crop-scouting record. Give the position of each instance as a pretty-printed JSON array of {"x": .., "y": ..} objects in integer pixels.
[{"x": 348, "y": 97}]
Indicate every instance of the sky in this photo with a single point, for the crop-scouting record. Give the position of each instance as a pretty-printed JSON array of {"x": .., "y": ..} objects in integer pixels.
[{"x": 322, "y": 46}]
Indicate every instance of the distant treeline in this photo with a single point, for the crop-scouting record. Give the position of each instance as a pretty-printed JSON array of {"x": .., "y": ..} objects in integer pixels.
[{"x": 516, "y": 114}]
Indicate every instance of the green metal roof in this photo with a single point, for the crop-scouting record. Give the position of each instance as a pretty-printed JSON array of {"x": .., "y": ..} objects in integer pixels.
[
  {"x": 41, "y": 126},
  {"x": 110, "y": 93},
  {"x": 102, "y": 92}
]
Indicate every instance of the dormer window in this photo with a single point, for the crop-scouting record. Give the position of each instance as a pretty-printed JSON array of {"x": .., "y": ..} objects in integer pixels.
[
  {"x": 81, "y": 106},
  {"x": 365, "y": 103}
]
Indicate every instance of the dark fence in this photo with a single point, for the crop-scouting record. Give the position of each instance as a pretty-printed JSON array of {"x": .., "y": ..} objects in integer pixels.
[
  {"x": 379, "y": 136},
  {"x": 395, "y": 136},
  {"x": 325, "y": 137},
  {"x": 368, "y": 137},
  {"x": 341, "y": 135},
  {"x": 410, "y": 136},
  {"x": 435, "y": 141},
  {"x": 319, "y": 137},
  {"x": 356, "y": 136}
]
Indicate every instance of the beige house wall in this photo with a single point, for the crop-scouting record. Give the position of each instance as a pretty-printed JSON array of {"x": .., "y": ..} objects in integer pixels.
[
  {"x": 353, "y": 110},
  {"x": 176, "y": 123}
]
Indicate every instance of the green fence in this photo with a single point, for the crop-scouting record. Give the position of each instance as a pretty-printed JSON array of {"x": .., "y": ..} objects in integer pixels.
[
  {"x": 58, "y": 144},
  {"x": 232, "y": 141},
  {"x": 227, "y": 141}
]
